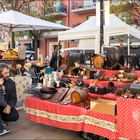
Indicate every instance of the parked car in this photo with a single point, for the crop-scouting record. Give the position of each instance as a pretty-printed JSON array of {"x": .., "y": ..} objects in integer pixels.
[{"x": 30, "y": 55}]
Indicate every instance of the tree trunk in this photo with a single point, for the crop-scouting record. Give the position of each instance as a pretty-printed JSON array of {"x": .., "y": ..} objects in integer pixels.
[
  {"x": 36, "y": 35},
  {"x": 13, "y": 43},
  {"x": 36, "y": 46}
]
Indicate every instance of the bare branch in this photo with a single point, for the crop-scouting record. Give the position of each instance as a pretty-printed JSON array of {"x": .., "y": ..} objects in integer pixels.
[
  {"x": 20, "y": 6},
  {"x": 2, "y": 6}
]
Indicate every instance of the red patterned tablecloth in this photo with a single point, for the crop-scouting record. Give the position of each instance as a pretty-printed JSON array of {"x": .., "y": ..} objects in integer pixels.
[
  {"x": 101, "y": 124},
  {"x": 109, "y": 96},
  {"x": 128, "y": 118},
  {"x": 102, "y": 83},
  {"x": 109, "y": 72},
  {"x": 113, "y": 72},
  {"x": 70, "y": 117},
  {"x": 66, "y": 117},
  {"x": 138, "y": 73}
]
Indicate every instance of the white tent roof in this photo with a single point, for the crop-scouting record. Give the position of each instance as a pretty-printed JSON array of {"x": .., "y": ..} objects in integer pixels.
[
  {"x": 89, "y": 29},
  {"x": 75, "y": 48},
  {"x": 22, "y": 22}
]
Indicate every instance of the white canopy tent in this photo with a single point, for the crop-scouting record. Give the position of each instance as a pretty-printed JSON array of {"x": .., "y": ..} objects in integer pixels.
[
  {"x": 21, "y": 22},
  {"x": 89, "y": 30},
  {"x": 75, "y": 48},
  {"x": 16, "y": 21}
]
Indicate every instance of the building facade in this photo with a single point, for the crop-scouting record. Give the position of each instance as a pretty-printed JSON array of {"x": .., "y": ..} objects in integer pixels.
[{"x": 69, "y": 13}]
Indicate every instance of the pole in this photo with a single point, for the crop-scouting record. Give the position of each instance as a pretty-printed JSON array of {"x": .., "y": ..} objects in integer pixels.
[
  {"x": 101, "y": 25},
  {"x": 58, "y": 55},
  {"x": 128, "y": 43},
  {"x": 128, "y": 51},
  {"x": 11, "y": 37}
]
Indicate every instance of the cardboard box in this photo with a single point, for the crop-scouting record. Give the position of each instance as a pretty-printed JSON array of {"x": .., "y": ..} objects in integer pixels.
[{"x": 103, "y": 106}]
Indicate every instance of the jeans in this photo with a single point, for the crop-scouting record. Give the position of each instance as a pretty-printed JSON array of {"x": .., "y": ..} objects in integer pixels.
[{"x": 1, "y": 124}]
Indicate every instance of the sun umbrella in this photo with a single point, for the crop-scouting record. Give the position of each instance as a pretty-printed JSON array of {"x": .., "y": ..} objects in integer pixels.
[{"x": 17, "y": 21}]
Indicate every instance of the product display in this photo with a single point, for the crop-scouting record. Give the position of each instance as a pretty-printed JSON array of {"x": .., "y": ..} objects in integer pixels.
[{"x": 10, "y": 54}]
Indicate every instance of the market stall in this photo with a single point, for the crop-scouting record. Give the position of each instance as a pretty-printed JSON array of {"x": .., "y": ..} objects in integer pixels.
[
  {"x": 123, "y": 125},
  {"x": 22, "y": 82},
  {"x": 89, "y": 32},
  {"x": 14, "y": 21},
  {"x": 70, "y": 117},
  {"x": 64, "y": 110}
]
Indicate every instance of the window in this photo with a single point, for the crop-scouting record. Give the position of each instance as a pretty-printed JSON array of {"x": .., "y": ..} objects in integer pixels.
[
  {"x": 87, "y": 17},
  {"x": 61, "y": 22},
  {"x": 89, "y": 2}
]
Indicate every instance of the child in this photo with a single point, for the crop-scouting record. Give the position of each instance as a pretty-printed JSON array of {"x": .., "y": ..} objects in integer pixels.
[{"x": 2, "y": 103}]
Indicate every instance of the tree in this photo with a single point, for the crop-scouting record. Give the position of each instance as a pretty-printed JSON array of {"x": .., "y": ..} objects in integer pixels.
[
  {"x": 13, "y": 5},
  {"x": 128, "y": 10},
  {"x": 25, "y": 6}
]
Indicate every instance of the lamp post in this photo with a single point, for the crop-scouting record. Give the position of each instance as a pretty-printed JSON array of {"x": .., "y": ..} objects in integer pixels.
[{"x": 101, "y": 25}]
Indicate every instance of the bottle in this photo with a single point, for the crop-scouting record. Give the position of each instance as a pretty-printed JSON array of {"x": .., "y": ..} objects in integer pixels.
[{"x": 44, "y": 81}]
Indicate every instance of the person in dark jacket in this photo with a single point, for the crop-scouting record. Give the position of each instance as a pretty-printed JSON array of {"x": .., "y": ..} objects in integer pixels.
[
  {"x": 122, "y": 52},
  {"x": 2, "y": 101},
  {"x": 82, "y": 58},
  {"x": 2, "y": 91},
  {"x": 54, "y": 59},
  {"x": 9, "y": 112}
]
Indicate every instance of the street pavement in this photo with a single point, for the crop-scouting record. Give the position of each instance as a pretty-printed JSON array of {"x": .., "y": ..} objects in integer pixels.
[{"x": 24, "y": 129}]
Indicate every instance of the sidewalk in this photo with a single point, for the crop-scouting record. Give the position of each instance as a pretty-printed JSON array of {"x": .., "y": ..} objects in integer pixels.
[{"x": 23, "y": 129}]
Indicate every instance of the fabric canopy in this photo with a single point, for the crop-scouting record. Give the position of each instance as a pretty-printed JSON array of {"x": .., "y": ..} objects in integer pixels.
[
  {"x": 75, "y": 48},
  {"x": 21, "y": 22},
  {"x": 16, "y": 21},
  {"x": 89, "y": 29}
]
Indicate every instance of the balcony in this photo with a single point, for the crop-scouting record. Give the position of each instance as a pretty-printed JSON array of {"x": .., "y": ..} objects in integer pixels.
[
  {"x": 83, "y": 6},
  {"x": 56, "y": 10}
]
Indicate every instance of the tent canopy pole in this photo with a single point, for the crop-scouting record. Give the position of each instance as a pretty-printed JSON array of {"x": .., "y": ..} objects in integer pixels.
[
  {"x": 128, "y": 52},
  {"x": 11, "y": 37},
  {"x": 101, "y": 25},
  {"x": 58, "y": 55}
]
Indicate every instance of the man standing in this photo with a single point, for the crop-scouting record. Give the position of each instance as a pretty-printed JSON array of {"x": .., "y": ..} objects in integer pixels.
[
  {"x": 9, "y": 112},
  {"x": 122, "y": 52}
]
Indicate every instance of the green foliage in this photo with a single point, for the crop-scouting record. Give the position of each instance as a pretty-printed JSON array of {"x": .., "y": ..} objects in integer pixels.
[
  {"x": 117, "y": 9},
  {"x": 26, "y": 7},
  {"x": 126, "y": 17},
  {"x": 22, "y": 34},
  {"x": 125, "y": 10}
]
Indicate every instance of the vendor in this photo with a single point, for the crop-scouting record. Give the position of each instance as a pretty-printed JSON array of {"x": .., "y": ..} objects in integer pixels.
[
  {"x": 122, "y": 52},
  {"x": 65, "y": 63},
  {"x": 82, "y": 58},
  {"x": 53, "y": 61}
]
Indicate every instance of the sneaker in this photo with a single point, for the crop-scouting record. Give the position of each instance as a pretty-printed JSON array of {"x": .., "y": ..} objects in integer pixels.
[
  {"x": 5, "y": 131},
  {"x": 5, "y": 125}
]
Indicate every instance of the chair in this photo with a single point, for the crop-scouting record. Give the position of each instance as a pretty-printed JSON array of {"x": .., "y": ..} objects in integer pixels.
[
  {"x": 36, "y": 77},
  {"x": 22, "y": 83}
]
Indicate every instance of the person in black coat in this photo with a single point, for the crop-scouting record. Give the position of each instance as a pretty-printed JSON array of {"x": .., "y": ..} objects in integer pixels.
[
  {"x": 2, "y": 101},
  {"x": 122, "y": 52},
  {"x": 54, "y": 59},
  {"x": 9, "y": 112}
]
